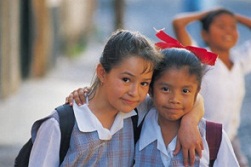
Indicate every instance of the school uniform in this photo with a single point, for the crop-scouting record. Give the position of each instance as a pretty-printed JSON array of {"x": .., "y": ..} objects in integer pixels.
[
  {"x": 90, "y": 144},
  {"x": 151, "y": 150}
]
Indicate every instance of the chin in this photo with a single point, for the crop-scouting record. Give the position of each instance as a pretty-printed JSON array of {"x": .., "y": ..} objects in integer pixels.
[{"x": 126, "y": 110}]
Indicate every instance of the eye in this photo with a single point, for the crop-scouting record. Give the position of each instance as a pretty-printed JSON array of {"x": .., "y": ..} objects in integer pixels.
[
  {"x": 145, "y": 83},
  {"x": 165, "y": 89},
  {"x": 186, "y": 91},
  {"x": 126, "y": 80}
]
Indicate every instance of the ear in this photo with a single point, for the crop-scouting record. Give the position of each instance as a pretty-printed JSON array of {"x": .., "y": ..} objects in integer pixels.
[{"x": 100, "y": 72}]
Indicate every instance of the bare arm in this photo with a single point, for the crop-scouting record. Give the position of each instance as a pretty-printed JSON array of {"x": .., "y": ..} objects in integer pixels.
[
  {"x": 246, "y": 21},
  {"x": 180, "y": 23},
  {"x": 189, "y": 137}
]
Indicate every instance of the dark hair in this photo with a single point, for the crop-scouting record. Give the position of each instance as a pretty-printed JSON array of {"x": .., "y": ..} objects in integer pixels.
[
  {"x": 123, "y": 44},
  {"x": 178, "y": 58},
  {"x": 207, "y": 20}
]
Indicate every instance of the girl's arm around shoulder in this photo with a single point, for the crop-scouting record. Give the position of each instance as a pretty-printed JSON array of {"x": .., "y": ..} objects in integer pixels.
[
  {"x": 45, "y": 150},
  {"x": 189, "y": 137},
  {"x": 226, "y": 155}
]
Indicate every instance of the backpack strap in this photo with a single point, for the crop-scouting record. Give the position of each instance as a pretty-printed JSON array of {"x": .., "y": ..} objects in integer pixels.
[
  {"x": 23, "y": 157},
  {"x": 66, "y": 122},
  {"x": 136, "y": 128},
  {"x": 213, "y": 137}
]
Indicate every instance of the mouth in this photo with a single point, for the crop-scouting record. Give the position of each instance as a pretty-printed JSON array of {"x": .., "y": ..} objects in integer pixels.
[
  {"x": 130, "y": 102},
  {"x": 173, "y": 108},
  {"x": 228, "y": 38}
]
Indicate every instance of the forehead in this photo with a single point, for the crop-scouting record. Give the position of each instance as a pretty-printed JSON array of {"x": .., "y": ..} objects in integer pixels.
[
  {"x": 136, "y": 62},
  {"x": 224, "y": 18},
  {"x": 178, "y": 75},
  {"x": 135, "y": 65}
]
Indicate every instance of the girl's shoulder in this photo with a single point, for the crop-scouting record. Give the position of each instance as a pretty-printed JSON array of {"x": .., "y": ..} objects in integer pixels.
[
  {"x": 242, "y": 55},
  {"x": 144, "y": 107},
  {"x": 50, "y": 121},
  {"x": 243, "y": 48}
]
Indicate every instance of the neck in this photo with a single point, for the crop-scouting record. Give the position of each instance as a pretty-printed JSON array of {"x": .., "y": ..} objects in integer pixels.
[
  {"x": 169, "y": 129},
  {"x": 103, "y": 110},
  {"x": 224, "y": 56}
]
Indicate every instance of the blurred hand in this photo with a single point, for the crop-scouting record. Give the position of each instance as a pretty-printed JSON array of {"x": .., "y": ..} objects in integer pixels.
[{"x": 77, "y": 95}]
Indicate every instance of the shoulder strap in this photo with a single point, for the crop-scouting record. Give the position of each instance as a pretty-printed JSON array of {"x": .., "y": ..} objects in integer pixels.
[
  {"x": 23, "y": 157},
  {"x": 66, "y": 122},
  {"x": 213, "y": 136},
  {"x": 136, "y": 128}
]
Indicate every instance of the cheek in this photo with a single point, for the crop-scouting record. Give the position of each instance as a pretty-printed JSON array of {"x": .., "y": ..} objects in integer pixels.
[
  {"x": 113, "y": 86},
  {"x": 160, "y": 99},
  {"x": 236, "y": 35},
  {"x": 189, "y": 103}
]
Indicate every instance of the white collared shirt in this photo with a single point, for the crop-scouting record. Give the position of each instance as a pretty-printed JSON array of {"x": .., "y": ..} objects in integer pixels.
[
  {"x": 88, "y": 122},
  {"x": 151, "y": 132},
  {"x": 45, "y": 150},
  {"x": 223, "y": 90}
]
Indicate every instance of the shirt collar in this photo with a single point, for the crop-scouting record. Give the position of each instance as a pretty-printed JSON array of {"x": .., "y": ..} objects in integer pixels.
[
  {"x": 151, "y": 132},
  {"x": 88, "y": 122}
]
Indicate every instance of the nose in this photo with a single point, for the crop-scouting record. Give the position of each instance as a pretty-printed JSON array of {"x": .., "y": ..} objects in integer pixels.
[
  {"x": 229, "y": 29},
  {"x": 174, "y": 98},
  {"x": 134, "y": 90}
]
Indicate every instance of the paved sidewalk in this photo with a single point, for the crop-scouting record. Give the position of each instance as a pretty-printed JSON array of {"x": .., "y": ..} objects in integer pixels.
[{"x": 37, "y": 98}]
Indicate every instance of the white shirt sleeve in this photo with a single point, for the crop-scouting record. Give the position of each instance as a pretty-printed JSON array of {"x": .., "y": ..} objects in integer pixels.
[
  {"x": 226, "y": 154},
  {"x": 45, "y": 150},
  {"x": 242, "y": 53}
]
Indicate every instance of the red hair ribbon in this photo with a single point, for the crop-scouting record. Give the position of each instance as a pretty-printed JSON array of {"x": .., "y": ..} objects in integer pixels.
[{"x": 203, "y": 55}]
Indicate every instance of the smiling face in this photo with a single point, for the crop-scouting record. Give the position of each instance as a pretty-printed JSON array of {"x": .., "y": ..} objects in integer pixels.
[
  {"x": 126, "y": 85},
  {"x": 174, "y": 93},
  {"x": 222, "y": 33}
]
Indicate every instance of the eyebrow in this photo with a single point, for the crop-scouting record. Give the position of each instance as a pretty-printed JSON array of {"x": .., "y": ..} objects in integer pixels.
[
  {"x": 130, "y": 74},
  {"x": 166, "y": 84}
]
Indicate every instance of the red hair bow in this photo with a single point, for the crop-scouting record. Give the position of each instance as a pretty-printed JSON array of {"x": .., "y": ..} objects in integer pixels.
[{"x": 203, "y": 55}]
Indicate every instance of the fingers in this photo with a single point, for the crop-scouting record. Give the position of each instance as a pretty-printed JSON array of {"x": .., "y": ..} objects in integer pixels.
[
  {"x": 201, "y": 145},
  {"x": 177, "y": 147},
  {"x": 189, "y": 154},
  {"x": 78, "y": 95},
  {"x": 69, "y": 99},
  {"x": 199, "y": 148},
  {"x": 185, "y": 157},
  {"x": 185, "y": 152}
]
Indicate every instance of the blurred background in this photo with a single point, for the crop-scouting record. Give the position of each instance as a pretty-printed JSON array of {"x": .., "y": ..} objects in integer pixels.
[{"x": 48, "y": 48}]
